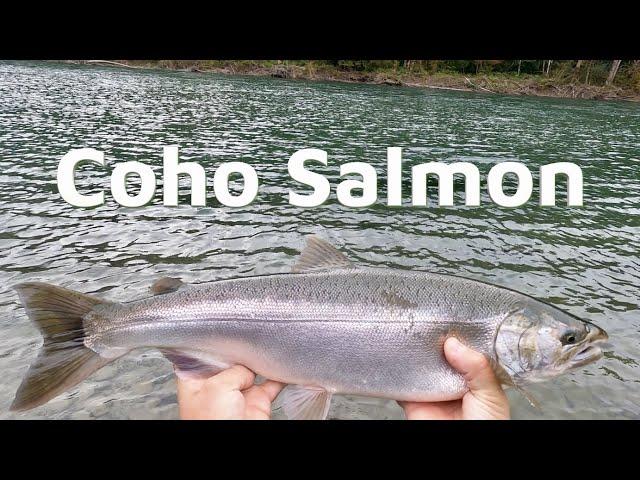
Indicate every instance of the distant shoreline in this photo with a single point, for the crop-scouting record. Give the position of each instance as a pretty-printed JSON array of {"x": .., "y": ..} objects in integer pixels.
[{"x": 504, "y": 83}]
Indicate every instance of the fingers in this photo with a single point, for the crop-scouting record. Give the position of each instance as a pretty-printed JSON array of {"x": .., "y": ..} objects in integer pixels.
[
  {"x": 431, "y": 411},
  {"x": 234, "y": 378},
  {"x": 187, "y": 388},
  {"x": 474, "y": 366},
  {"x": 271, "y": 389}
]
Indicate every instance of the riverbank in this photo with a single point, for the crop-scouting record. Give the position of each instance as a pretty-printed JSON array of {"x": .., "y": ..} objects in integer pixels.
[{"x": 497, "y": 83}]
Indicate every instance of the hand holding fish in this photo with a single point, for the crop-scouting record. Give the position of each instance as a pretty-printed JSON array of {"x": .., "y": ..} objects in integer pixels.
[
  {"x": 485, "y": 399},
  {"x": 229, "y": 395},
  {"x": 232, "y": 395}
]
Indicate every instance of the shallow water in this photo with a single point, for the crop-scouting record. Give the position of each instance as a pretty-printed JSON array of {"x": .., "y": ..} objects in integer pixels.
[{"x": 584, "y": 260}]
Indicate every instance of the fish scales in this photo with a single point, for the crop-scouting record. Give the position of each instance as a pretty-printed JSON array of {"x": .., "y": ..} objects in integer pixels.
[{"x": 358, "y": 331}]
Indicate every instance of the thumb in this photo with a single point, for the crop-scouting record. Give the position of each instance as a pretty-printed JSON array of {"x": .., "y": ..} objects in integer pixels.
[
  {"x": 234, "y": 378},
  {"x": 474, "y": 366}
]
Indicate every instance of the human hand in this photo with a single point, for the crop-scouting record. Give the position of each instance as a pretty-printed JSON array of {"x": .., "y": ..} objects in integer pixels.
[
  {"x": 485, "y": 399},
  {"x": 228, "y": 395}
]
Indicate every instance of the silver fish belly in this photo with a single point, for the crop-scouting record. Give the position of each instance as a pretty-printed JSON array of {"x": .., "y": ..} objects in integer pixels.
[{"x": 373, "y": 332}]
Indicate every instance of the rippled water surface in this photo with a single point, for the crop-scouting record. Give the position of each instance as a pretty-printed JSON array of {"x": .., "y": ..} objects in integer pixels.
[{"x": 584, "y": 260}]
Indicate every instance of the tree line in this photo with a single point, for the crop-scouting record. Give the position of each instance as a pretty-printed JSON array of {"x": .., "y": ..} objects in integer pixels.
[
  {"x": 590, "y": 72},
  {"x": 565, "y": 78}
]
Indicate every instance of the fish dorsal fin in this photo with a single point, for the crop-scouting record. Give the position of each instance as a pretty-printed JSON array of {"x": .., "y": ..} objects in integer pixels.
[
  {"x": 319, "y": 254},
  {"x": 306, "y": 403},
  {"x": 166, "y": 285}
]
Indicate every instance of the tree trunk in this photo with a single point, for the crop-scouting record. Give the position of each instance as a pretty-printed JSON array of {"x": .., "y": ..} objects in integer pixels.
[
  {"x": 586, "y": 80},
  {"x": 519, "y": 65},
  {"x": 614, "y": 70},
  {"x": 548, "y": 67}
]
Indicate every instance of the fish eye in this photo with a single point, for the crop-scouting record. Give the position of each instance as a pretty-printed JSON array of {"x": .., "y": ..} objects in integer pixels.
[{"x": 569, "y": 338}]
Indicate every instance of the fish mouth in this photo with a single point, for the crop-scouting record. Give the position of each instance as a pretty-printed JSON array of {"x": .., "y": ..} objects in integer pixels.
[
  {"x": 590, "y": 350},
  {"x": 586, "y": 355}
]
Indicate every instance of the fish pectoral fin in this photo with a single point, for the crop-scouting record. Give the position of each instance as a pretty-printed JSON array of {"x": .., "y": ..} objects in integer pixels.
[
  {"x": 533, "y": 401},
  {"x": 306, "y": 403},
  {"x": 507, "y": 380},
  {"x": 189, "y": 367},
  {"x": 319, "y": 254},
  {"x": 166, "y": 285}
]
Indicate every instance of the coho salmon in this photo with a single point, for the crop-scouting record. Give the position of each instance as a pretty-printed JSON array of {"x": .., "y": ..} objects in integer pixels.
[{"x": 326, "y": 328}]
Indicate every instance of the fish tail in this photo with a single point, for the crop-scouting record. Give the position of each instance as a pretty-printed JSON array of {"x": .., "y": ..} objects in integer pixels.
[{"x": 64, "y": 360}]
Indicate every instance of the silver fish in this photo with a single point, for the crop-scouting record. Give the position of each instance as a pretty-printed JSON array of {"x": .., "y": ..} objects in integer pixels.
[{"x": 326, "y": 328}]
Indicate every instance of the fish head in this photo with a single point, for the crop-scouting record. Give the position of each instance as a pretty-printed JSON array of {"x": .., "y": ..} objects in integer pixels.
[{"x": 537, "y": 342}]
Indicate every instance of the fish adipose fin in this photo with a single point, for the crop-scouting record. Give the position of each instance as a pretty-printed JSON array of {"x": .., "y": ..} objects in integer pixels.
[
  {"x": 166, "y": 285},
  {"x": 63, "y": 361},
  {"x": 190, "y": 367},
  {"x": 320, "y": 255},
  {"x": 306, "y": 403}
]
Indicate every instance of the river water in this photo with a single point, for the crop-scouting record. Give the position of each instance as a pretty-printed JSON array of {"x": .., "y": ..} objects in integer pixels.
[{"x": 584, "y": 260}]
